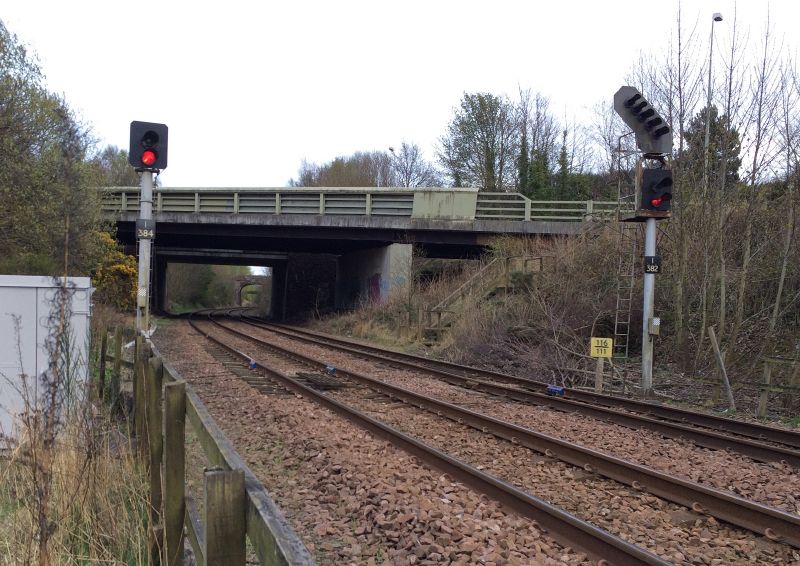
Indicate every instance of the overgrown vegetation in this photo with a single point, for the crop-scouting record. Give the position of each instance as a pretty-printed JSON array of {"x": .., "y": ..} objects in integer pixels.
[
  {"x": 730, "y": 252},
  {"x": 541, "y": 328},
  {"x": 98, "y": 507},
  {"x": 70, "y": 492},
  {"x": 49, "y": 168}
]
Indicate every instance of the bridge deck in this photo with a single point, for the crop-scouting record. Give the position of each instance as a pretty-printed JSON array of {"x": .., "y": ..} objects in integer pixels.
[
  {"x": 445, "y": 222},
  {"x": 428, "y": 203}
]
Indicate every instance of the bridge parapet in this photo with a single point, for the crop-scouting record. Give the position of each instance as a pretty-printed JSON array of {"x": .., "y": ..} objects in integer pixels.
[{"x": 427, "y": 203}]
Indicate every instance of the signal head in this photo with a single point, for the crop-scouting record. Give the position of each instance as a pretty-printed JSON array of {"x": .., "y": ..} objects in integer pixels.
[
  {"x": 656, "y": 190},
  {"x": 650, "y": 128},
  {"x": 148, "y": 146}
]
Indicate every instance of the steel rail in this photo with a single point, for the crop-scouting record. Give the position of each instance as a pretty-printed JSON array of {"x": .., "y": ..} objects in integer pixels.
[
  {"x": 755, "y": 431},
  {"x": 773, "y": 523},
  {"x": 563, "y": 526},
  {"x": 710, "y": 438}
]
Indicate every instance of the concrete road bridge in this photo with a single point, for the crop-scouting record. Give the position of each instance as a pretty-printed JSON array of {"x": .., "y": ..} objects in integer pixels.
[{"x": 366, "y": 233}]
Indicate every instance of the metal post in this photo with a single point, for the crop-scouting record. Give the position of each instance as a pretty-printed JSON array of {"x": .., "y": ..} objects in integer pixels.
[
  {"x": 143, "y": 294},
  {"x": 647, "y": 310},
  {"x": 717, "y": 17}
]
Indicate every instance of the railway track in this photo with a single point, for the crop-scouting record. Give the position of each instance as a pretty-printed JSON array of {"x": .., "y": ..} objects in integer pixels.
[
  {"x": 601, "y": 545},
  {"x": 775, "y": 524},
  {"x": 762, "y": 443}
]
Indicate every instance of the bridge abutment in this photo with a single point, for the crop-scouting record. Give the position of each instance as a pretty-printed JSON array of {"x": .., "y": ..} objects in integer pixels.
[{"x": 372, "y": 274}]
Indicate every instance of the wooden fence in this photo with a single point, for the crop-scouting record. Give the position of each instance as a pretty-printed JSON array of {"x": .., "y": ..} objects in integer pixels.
[
  {"x": 784, "y": 393},
  {"x": 236, "y": 506}
]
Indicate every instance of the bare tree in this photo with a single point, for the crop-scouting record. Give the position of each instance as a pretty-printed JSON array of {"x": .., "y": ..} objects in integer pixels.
[
  {"x": 789, "y": 135},
  {"x": 607, "y": 134},
  {"x": 679, "y": 99},
  {"x": 362, "y": 169},
  {"x": 761, "y": 118},
  {"x": 538, "y": 148},
  {"x": 733, "y": 91},
  {"x": 410, "y": 169}
]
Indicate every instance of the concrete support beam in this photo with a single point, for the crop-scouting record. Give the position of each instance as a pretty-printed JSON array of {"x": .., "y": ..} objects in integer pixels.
[
  {"x": 372, "y": 274},
  {"x": 277, "y": 308},
  {"x": 158, "y": 295}
]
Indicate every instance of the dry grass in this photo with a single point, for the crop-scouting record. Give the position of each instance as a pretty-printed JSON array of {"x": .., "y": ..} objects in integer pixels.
[
  {"x": 391, "y": 323},
  {"x": 97, "y": 511},
  {"x": 543, "y": 324}
]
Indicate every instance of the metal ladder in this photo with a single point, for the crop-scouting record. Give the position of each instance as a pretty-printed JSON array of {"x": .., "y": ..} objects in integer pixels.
[{"x": 627, "y": 252}]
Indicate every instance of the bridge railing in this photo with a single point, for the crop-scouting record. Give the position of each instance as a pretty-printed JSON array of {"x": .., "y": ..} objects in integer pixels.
[
  {"x": 514, "y": 206},
  {"x": 448, "y": 203},
  {"x": 360, "y": 202}
]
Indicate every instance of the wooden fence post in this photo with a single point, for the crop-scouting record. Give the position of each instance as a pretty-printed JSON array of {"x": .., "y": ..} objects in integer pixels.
[
  {"x": 116, "y": 372},
  {"x": 598, "y": 376},
  {"x": 721, "y": 361},
  {"x": 506, "y": 275},
  {"x": 225, "y": 518},
  {"x": 101, "y": 373},
  {"x": 138, "y": 380},
  {"x": 174, "y": 471},
  {"x": 155, "y": 375},
  {"x": 764, "y": 397},
  {"x": 794, "y": 381}
]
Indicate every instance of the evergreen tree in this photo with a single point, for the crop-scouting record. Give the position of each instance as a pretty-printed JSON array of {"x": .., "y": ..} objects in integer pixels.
[
  {"x": 524, "y": 164},
  {"x": 539, "y": 176},
  {"x": 723, "y": 144},
  {"x": 480, "y": 146},
  {"x": 563, "y": 168}
]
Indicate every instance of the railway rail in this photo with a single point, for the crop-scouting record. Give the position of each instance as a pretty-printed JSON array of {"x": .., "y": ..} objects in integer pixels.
[
  {"x": 568, "y": 529},
  {"x": 762, "y": 443},
  {"x": 775, "y": 524}
]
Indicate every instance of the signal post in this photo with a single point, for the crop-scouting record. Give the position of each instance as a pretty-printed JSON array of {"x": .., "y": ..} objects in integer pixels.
[
  {"x": 653, "y": 202},
  {"x": 148, "y": 155}
]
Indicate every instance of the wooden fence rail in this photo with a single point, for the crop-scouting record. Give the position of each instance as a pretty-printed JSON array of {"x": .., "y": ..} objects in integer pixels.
[{"x": 236, "y": 505}]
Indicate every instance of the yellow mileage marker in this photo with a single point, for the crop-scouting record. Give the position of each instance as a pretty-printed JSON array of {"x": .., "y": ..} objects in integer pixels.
[{"x": 602, "y": 347}]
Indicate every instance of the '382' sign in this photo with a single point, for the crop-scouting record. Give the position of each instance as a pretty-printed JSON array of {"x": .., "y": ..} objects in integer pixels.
[{"x": 652, "y": 264}]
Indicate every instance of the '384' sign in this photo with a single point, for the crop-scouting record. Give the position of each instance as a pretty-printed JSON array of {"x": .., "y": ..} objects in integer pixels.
[{"x": 145, "y": 229}]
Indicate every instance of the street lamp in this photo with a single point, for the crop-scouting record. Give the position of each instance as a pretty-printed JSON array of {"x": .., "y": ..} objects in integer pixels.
[{"x": 717, "y": 17}]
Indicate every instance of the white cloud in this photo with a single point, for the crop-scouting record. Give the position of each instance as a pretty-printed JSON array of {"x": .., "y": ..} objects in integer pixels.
[{"x": 249, "y": 89}]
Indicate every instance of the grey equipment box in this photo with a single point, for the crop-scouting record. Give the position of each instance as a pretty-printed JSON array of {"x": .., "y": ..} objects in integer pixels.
[{"x": 28, "y": 317}]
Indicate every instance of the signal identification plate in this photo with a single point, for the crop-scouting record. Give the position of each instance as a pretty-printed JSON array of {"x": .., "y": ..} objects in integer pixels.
[
  {"x": 145, "y": 229},
  {"x": 652, "y": 264}
]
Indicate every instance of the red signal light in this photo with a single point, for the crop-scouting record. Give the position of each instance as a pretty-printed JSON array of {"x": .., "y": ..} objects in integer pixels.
[
  {"x": 656, "y": 202},
  {"x": 149, "y": 157}
]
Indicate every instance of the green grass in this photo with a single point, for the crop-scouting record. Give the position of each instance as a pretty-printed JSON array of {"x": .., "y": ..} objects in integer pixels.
[{"x": 794, "y": 421}]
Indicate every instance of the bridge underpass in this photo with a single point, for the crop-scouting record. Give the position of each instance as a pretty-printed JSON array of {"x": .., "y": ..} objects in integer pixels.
[
  {"x": 164, "y": 256},
  {"x": 362, "y": 238}
]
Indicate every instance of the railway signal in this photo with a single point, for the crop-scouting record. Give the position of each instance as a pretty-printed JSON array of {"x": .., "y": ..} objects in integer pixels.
[
  {"x": 653, "y": 135},
  {"x": 656, "y": 192},
  {"x": 147, "y": 154},
  {"x": 148, "y": 146}
]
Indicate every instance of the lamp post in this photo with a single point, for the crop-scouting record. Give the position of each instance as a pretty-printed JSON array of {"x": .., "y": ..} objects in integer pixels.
[
  {"x": 394, "y": 164},
  {"x": 717, "y": 17}
]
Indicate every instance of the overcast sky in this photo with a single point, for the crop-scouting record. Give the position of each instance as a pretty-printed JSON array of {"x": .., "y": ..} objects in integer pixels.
[{"x": 250, "y": 89}]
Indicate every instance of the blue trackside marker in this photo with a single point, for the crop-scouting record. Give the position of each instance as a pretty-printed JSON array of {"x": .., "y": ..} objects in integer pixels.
[
  {"x": 330, "y": 370},
  {"x": 252, "y": 364},
  {"x": 555, "y": 390}
]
